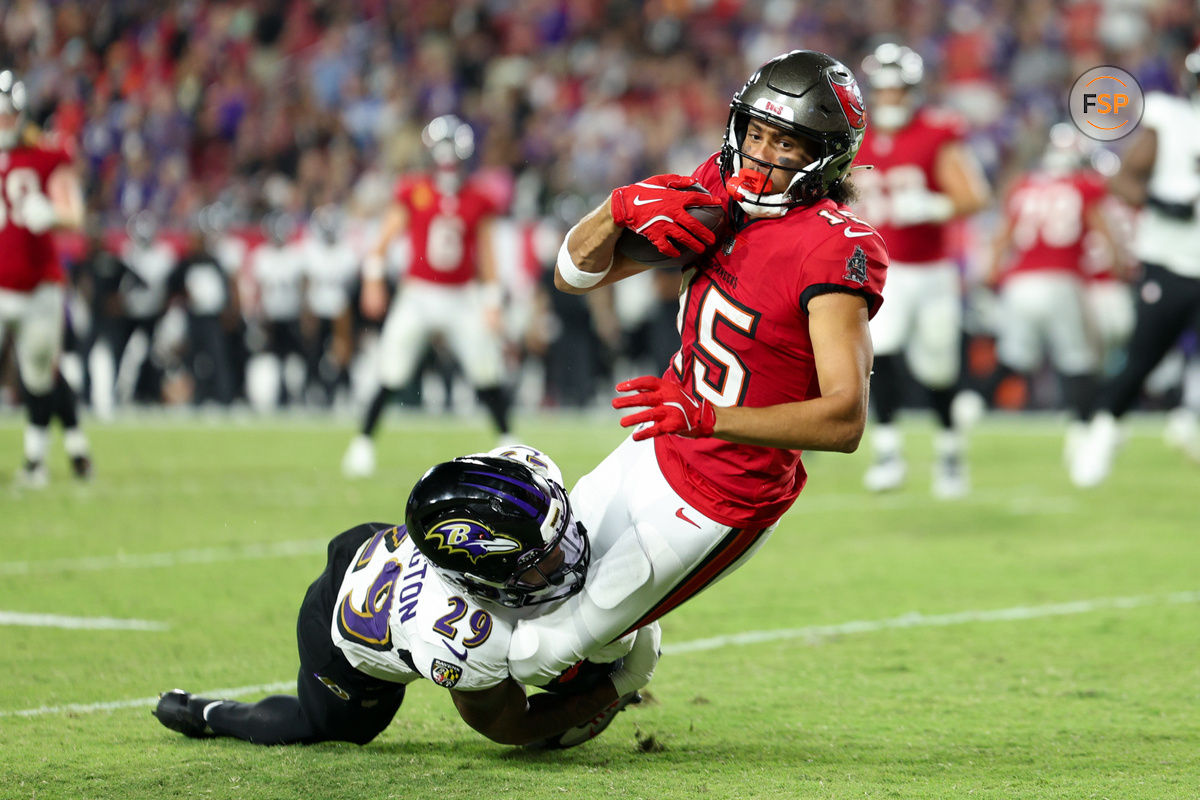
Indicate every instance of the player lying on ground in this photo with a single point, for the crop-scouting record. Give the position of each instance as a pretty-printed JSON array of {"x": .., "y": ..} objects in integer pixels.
[{"x": 487, "y": 540}]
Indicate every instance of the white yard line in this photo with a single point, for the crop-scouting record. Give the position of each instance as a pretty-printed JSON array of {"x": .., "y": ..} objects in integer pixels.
[
  {"x": 79, "y": 623},
  {"x": 208, "y": 555},
  {"x": 87, "y": 708},
  {"x": 811, "y": 632},
  {"x": 915, "y": 619}
]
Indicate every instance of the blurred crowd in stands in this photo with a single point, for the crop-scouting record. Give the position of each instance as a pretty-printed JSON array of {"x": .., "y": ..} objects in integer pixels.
[{"x": 251, "y": 125}]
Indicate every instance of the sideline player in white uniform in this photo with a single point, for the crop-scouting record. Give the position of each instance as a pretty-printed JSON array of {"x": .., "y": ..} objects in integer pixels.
[
  {"x": 487, "y": 539},
  {"x": 277, "y": 270},
  {"x": 330, "y": 265},
  {"x": 451, "y": 286},
  {"x": 39, "y": 192},
  {"x": 1038, "y": 265},
  {"x": 923, "y": 177},
  {"x": 1160, "y": 172}
]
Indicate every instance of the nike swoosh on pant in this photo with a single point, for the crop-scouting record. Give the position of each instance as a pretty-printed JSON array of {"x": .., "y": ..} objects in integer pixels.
[{"x": 684, "y": 517}]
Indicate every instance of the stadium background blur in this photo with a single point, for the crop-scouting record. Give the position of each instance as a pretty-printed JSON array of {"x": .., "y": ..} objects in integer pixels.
[{"x": 225, "y": 115}]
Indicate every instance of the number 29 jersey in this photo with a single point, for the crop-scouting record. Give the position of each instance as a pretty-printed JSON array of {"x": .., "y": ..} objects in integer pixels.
[
  {"x": 396, "y": 620},
  {"x": 743, "y": 322}
]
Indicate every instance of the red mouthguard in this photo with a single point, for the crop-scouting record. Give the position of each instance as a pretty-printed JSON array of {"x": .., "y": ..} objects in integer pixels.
[{"x": 747, "y": 182}]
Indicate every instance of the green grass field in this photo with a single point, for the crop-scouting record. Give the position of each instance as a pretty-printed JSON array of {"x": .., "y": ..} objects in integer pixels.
[{"x": 1032, "y": 641}]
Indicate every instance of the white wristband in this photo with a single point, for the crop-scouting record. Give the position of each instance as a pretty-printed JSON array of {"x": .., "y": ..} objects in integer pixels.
[
  {"x": 372, "y": 267},
  {"x": 573, "y": 274}
]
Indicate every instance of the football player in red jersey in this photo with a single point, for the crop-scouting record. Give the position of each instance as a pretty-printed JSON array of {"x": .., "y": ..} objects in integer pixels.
[
  {"x": 775, "y": 356},
  {"x": 451, "y": 286},
  {"x": 1038, "y": 266},
  {"x": 40, "y": 192},
  {"x": 922, "y": 177}
]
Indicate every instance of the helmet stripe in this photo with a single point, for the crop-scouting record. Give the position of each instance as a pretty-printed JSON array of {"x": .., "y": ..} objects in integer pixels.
[{"x": 506, "y": 496}]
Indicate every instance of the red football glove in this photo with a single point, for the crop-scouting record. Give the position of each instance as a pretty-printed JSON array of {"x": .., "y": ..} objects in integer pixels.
[
  {"x": 657, "y": 211},
  {"x": 671, "y": 409}
]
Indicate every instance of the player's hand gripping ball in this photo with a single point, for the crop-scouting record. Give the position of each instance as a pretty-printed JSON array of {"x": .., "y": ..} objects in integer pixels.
[{"x": 669, "y": 221}]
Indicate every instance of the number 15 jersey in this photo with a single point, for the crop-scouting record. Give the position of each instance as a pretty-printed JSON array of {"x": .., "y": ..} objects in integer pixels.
[{"x": 743, "y": 322}]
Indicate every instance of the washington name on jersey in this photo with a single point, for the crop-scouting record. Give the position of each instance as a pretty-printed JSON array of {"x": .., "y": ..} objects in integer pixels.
[
  {"x": 27, "y": 259},
  {"x": 744, "y": 327},
  {"x": 396, "y": 620}
]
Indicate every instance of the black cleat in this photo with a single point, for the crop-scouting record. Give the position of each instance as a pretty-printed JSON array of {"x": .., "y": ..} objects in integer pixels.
[
  {"x": 81, "y": 467},
  {"x": 174, "y": 711}
]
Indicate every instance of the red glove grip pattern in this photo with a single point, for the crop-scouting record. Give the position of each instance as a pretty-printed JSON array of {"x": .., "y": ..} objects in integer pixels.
[
  {"x": 668, "y": 406},
  {"x": 655, "y": 209}
]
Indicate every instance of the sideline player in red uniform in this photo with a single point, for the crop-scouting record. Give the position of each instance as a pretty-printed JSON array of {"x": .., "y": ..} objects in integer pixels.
[
  {"x": 451, "y": 286},
  {"x": 40, "y": 192},
  {"x": 923, "y": 177},
  {"x": 1038, "y": 265},
  {"x": 775, "y": 356}
]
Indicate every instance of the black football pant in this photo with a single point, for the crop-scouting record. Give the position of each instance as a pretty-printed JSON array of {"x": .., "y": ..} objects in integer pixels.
[
  {"x": 1166, "y": 303},
  {"x": 335, "y": 702}
]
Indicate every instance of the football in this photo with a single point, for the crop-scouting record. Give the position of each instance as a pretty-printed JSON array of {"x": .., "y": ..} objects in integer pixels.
[{"x": 638, "y": 248}]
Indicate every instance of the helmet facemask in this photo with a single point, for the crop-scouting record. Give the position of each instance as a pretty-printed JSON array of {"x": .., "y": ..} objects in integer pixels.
[
  {"x": 764, "y": 198},
  {"x": 499, "y": 530},
  {"x": 551, "y": 581}
]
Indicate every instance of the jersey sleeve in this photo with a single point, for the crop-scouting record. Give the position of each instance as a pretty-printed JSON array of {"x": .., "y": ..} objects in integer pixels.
[
  {"x": 855, "y": 265},
  {"x": 708, "y": 175}
]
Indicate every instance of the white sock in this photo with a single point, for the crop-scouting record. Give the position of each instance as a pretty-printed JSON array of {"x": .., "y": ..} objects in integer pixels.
[
  {"x": 75, "y": 443},
  {"x": 37, "y": 441}
]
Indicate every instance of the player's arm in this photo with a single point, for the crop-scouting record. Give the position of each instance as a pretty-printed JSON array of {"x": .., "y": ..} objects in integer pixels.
[
  {"x": 590, "y": 247},
  {"x": 1001, "y": 245},
  {"x": 65, "y": 191},
  {"x": 505, "y": 714},
  {"x": 60, "y": 207},
  {"x": 655, "y": 208},
  {"x": 1114, "y": 252},
  {"x": 489, "y": 275},
  {"x": 1137, "y": 163},
  {"x": 960, "y": 177},
  {"x": 374, "y": 298}
]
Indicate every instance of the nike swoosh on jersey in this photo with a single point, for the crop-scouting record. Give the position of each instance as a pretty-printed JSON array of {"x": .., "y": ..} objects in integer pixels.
[
  {"x": 679, "y": 513},
  {"x": 849, "y": 234},
  {"x": 461, "y": 655},
  {"x": 637, "y": 201}
]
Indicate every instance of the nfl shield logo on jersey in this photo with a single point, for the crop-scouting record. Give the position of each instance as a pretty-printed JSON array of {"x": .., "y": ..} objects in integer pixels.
[
  {"x": 444, "y": 673},
  {"x": 856, "y": 267}
]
